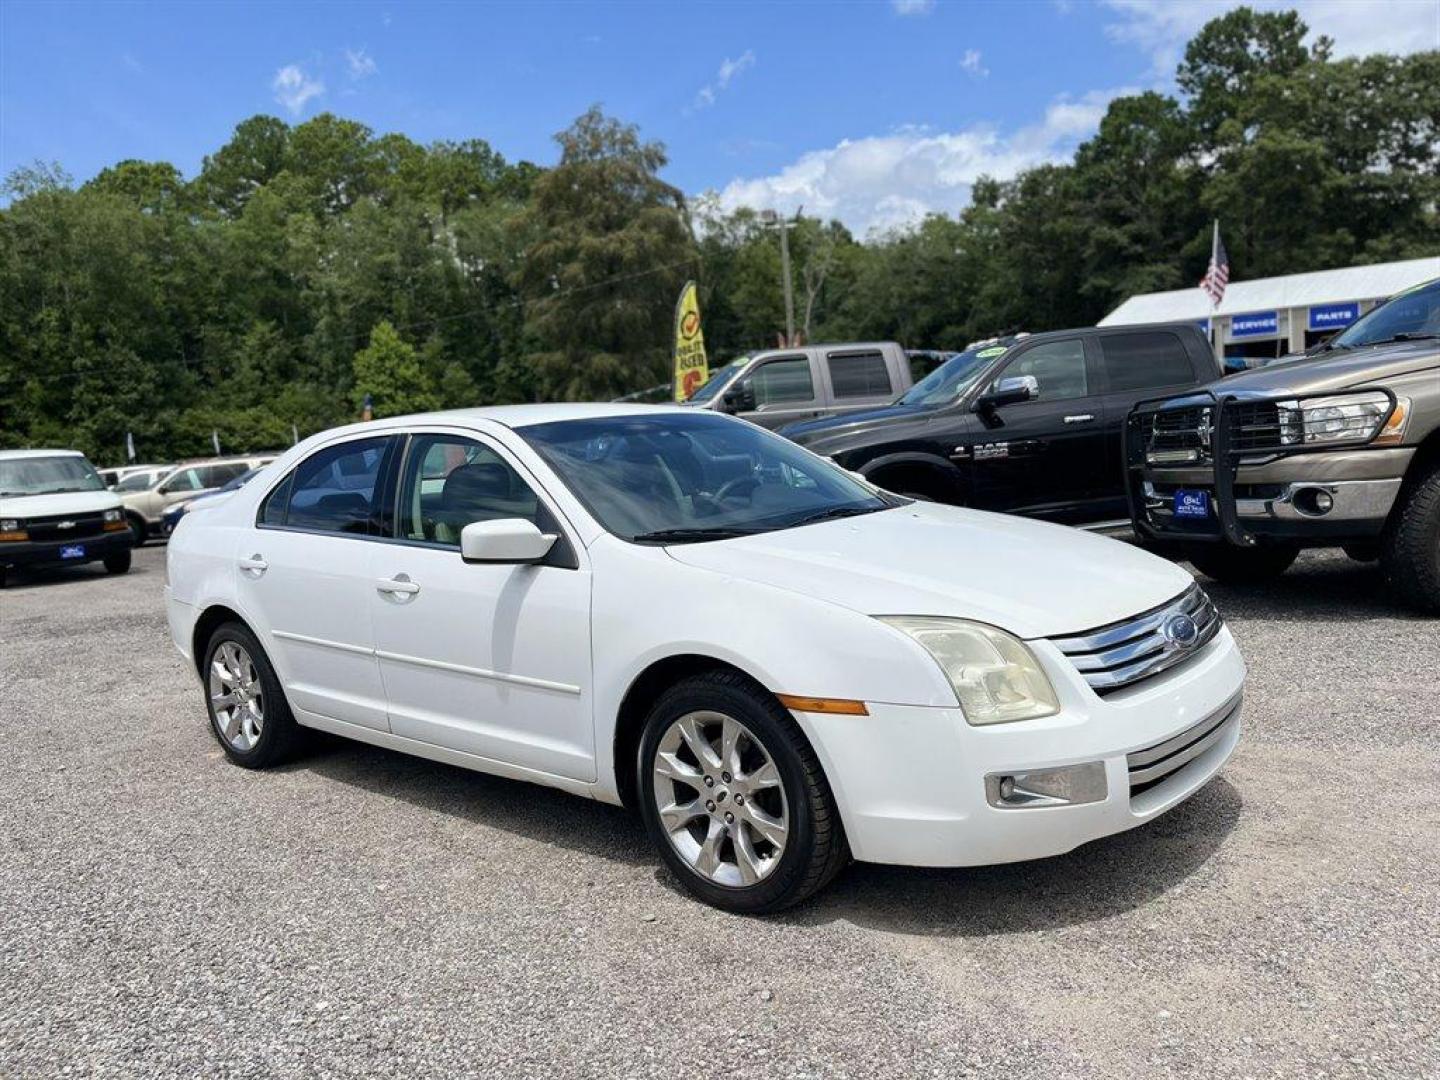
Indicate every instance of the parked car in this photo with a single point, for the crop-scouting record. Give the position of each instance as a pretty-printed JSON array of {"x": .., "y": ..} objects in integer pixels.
[
  {"x": 1027, "y": 424},
  {"x": 1336, "y": 448},
  {"x": 775, "y": 663},
  {"x": 175, "y": 513},
  {"x": 145, "y": 509},
  {"x": 54, "y": 510},
  {"x": 782, "y": 386},
  {"x": 135, "y": 477}
]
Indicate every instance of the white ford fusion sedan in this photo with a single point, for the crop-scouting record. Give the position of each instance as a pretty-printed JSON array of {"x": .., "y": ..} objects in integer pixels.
[{"x": 777, "y": 665}]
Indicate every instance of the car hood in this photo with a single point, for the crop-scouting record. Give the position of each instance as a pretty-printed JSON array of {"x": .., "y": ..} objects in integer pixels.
[
  {"x": 1028, "y": 577},
  {"x": 61, "y": 502},
  {"x": 1336, "y": 371},
  {"x": 853, "y": 423}
]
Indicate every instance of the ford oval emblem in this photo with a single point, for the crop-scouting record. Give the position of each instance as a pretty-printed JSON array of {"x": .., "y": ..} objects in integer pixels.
[{"x": 1180, "y": 632}]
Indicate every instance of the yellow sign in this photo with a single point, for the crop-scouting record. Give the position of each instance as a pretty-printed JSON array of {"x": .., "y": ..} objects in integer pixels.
[{"x": 691, "y": 370}]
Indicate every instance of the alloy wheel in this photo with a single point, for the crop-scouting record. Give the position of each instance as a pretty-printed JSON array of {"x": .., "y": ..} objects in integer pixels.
[
  {"x": 720, "y": 800},
  {"x": 236, "y": 696}
]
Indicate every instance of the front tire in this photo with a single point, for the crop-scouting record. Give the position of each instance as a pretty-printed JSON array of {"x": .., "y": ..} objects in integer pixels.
[
  {"x": 734, "y": 797},
  {"x": 139, "y": 531},
  {"x": 249, "y": 715},
  {"x": 118, "y": 562},
  {"x": 1410, "y": 550},
  {"x": 1242, "y": 566}
]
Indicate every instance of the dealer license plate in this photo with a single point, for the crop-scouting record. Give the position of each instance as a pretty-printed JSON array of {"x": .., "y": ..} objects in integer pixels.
[{"x": 1192, "y": 504}]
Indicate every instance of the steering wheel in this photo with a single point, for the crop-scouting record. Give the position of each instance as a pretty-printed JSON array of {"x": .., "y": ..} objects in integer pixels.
[{"x": 734, "y": 482}]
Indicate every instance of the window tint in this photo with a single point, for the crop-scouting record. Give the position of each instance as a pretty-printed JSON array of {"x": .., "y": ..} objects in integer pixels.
[
  {"x": 783, "y": 380},
  {"x": 332, "y": 490},
  {"x": 1058, "y": 366},
  {"x": 450, "y": 481},
  {"x": 272, "y": 512},
  {"x": 859, "y": 374},
  {"x": 1140, "y": 361},
  {"x": 212, "y": 476},
  {"x": 186, "y": 479}
]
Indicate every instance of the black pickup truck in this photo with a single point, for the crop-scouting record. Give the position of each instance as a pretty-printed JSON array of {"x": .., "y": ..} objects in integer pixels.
[{"x": 1029, "y": 424}]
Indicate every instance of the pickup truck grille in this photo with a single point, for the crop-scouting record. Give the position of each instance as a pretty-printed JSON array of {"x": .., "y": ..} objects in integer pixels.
[
  {"x": 65, "y": 527},
  {"x": 1121, "y": 654},
  {"x": 1254, "y": 425},
  {"x": 1179, "y": 436}
]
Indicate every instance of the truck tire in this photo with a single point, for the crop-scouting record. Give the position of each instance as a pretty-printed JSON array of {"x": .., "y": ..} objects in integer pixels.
[
  {"x": 1410, "y": 549},
  {"x": 1242, "y": 566},
  {"x": 118, "y": 562},
  {"x": 139, "y": 531}
]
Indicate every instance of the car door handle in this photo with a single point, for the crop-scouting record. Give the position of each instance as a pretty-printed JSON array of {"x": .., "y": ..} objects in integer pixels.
[
  {"x": 254, "y": 565},
  {"x": 400, "y": 585},
  {"x": 1079, "y": 418}
]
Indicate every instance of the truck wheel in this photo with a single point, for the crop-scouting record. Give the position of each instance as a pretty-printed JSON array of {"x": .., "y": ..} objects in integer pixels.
[
  {"x": 1410, "y": 551},
  {"x": 1242, "y": 566},
  {"x": 1363, "y": 551},
  {"x": 139, "y": 531},
  {"x": 118, "y": 563}
]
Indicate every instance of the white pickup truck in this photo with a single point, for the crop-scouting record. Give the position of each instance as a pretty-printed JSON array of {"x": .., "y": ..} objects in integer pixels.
[{"x": 782, "y": 386}]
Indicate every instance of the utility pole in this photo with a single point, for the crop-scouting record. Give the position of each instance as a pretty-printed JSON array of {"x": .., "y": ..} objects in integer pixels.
[{"x": 772, "y": 218}]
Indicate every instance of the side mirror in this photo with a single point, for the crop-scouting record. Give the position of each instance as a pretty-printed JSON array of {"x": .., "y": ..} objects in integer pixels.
[
  {"x": 740, "y": 398},
  {"x": 1010, "y": 391},
  {"x": 507, "y": 540}
]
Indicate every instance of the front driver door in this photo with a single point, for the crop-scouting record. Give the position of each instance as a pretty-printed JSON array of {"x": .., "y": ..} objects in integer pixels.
[
  {"x": 1047, "y": 456},
  {"x": 487, "y": 659}
]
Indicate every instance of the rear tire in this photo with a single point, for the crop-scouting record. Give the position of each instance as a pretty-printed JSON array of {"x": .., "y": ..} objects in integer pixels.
[
  {"x": 249, "y": 715},
  {"x": 118, "y": 563},
  {"x": 1242, "y": 566},
  {"x": 1410, "y": 549},
  {"x": 729, "y": 860}
]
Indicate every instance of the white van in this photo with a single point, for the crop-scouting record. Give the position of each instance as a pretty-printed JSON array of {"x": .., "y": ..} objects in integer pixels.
[{"x": 54, "y": 509}]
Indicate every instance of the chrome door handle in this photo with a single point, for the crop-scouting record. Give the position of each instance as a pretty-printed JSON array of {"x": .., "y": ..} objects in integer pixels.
[
  {"x": 399, "y": 584},
  {"x": 255, "y": 566},
  {"x": 1080, "y": 418}
]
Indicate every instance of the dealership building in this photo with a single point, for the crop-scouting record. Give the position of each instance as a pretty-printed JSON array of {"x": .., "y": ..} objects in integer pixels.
[{"x": 1274, "y": 316}]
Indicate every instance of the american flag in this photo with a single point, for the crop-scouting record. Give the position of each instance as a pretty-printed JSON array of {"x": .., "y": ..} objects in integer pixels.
[{"x": 1218, "y": 274}]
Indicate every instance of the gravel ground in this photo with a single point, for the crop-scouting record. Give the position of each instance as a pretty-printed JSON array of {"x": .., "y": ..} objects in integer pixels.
[{"x": 366, "y": 914}]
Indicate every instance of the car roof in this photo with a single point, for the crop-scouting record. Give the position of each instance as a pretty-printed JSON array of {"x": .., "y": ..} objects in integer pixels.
[
  {"x": 521, "y": 416},
  {"x": 11, "y": 455}
]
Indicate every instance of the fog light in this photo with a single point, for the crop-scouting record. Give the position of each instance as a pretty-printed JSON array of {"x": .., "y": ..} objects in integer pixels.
[
  {"x": 1069, "y": 785},
  {"x": 1323, "y": 502}
]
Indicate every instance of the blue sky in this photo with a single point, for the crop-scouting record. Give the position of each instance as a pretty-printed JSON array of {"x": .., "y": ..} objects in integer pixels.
[{"x": 874, "y": 112}]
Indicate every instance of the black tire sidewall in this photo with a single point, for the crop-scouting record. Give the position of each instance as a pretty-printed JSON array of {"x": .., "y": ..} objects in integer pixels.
[
  {"x": 778, "y": 733},
  {"x": 118, "y": 563},
  {"x": 276, "y": 733}
]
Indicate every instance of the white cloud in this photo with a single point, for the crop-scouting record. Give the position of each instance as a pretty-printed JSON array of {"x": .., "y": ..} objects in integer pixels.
[
  {"x": 970, "y": 63},
  {"x": 293, "y": 88},
  {"x": 360, "y": 63},
  {"x": 913, "y": 7},
  {"x": 1359, "y": 27},
  {"x": 729, "y": 71},
  {"x": 882, "y": 181}
]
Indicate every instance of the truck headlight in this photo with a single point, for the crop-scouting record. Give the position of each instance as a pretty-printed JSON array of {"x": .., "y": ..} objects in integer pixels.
[
  {"x": 996, "y": 677},
  {"x": 1344, "y": 418},
  {"x": 9, "y": 525},
  {"x": 112, "y": 515}
]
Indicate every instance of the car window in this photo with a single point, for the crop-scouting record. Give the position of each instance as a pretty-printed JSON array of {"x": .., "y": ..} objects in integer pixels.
[
  {"x": 859, "y": 375},
  {"x": 1142, "y": 361},
  {"x": 783, "y": 380},
  {"x": 213, "y": 476},
  {"x": 136, "y": 482},
  {"x": 332, "y": 490},
  {"x": 1058, "y": 366},
  {"x": 185, "y": 479},
  {"x": 450, "y": 481}
]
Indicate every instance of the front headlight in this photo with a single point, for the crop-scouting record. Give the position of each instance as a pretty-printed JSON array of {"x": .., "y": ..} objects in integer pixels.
[
  {"x": 995, "y": 675},
  {"x": 9, "y": 525},
  {"x": 112, "y": 515},
  {"x": 1344, "y": 418}
]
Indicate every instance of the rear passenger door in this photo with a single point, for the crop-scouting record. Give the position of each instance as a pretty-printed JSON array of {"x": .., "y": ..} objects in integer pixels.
[
  {"x": 857, "y": 379},
  {"x": 1135, "y": 365},
  {"x": 786, "y": 390}
]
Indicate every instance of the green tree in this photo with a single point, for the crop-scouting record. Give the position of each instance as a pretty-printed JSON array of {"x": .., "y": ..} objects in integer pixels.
[{"x": 389, "y": 371}]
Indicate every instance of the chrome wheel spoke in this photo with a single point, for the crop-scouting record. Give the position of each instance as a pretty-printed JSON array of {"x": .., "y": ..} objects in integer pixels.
[
  {"x": 672, "y": 768},
  {"x": 746, "y": 860},
  {"x": 677, "y": 815},
  {"x": 699, "y": 745},
  {"x": 227, "y": 700},
  {"x": 769, "y": 828},
  {"x": 233, "y": 721},
  {"x": 235, "y": 701},
  {"x": 708, "y": 860},
  {"x": 767, "y": 776},
  {"x": 730, "y": 733},
  {"x": 221, "y": 672}
]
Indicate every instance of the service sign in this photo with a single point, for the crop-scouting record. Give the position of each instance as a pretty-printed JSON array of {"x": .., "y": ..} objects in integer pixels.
[
  {"x": 1333, "y": 316},
  {"x": 1255, "y": 324},
  {"x": 691, "y": 370}
]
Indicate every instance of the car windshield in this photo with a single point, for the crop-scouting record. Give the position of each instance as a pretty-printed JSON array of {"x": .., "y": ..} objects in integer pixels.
[
  {"x": 1410, "y": 315},
  {"x": 48, "y": 475},
  {"x": 685, "y": 478},
  {"x": 140, "y": 481},
  {"x": 952, "y": 378},
  {"x": 719, "y": 379}
]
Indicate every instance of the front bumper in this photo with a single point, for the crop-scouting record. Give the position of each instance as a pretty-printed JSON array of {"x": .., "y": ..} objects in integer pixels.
[
  {"x": 53, "y": 552},
  {"x": 911, "y": 781}
]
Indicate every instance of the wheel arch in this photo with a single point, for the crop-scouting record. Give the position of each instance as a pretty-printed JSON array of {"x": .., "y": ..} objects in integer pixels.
[
  {"x": 927, "y": 473},
  {"x": 210, "y": 620}
]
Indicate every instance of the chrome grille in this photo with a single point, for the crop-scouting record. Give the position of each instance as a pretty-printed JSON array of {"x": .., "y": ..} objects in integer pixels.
[
  {"x": 1179, "y": 436},
  {"x": 1253, "y": 425},
  {"x": 1122, "y": 653},
  {"x": 1155, "y": 764}
]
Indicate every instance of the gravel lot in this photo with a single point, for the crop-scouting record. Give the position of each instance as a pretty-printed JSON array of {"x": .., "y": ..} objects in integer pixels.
[{"x": 366, "y": 914}]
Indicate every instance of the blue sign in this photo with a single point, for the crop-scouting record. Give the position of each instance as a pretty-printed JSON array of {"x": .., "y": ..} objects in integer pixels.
[
  {"x": 1333, "y": 316},
  {"x": 1256, "y": 324}
]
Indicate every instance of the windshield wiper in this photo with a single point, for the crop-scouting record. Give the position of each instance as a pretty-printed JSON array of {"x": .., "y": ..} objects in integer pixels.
[
  {"x": 1403, "y": 337},
  {"x": 832, "y": 512},
  {"x": 694, "y": 535}
]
